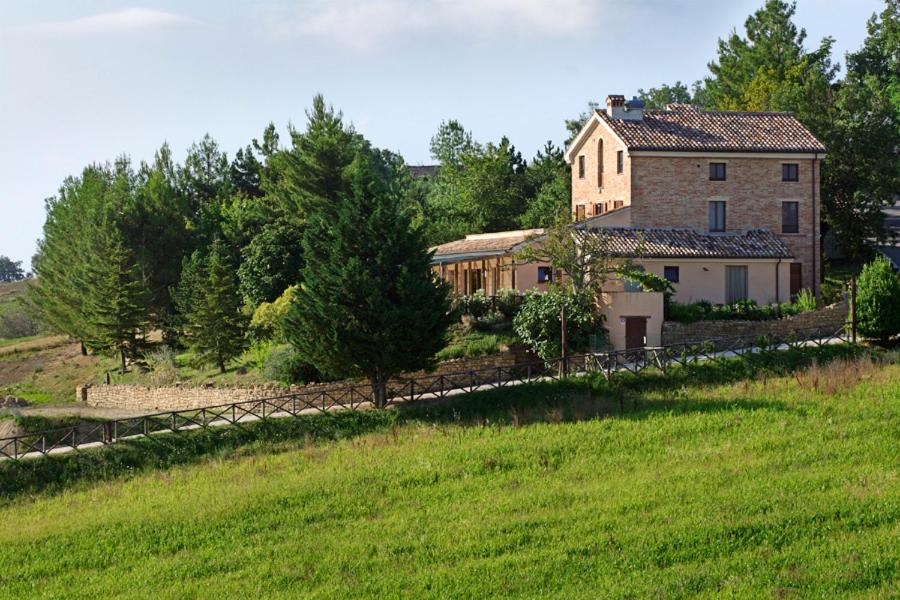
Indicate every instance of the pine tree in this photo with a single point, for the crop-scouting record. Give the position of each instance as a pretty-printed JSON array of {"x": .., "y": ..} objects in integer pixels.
[
  {"x": 211, "y": 305},
  {"x": 369, "y": 304},
  {"x": 116, "y": 310}
]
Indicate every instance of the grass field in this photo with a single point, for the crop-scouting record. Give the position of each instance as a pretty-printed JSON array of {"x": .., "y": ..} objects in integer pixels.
[{"x": 751, "y": 480}]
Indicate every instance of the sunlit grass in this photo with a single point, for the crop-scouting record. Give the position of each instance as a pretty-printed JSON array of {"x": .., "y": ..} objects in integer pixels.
[{"x": 753, "y": 481}]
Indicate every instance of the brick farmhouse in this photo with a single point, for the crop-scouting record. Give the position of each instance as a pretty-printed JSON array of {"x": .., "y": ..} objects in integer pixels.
[{"x": 725, "y": 205}]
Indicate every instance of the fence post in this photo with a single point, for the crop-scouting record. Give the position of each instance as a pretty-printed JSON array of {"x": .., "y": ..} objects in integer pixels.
[
  {"x": 564, "y": 359},
  {"x": 853, "y": 308},
  {"x": 412, "y": 390}
]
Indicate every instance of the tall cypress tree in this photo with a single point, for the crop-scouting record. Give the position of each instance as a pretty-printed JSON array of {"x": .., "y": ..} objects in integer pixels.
[
  {"x": 211, "y": 305},
  {"x": 369, "y": 304}
]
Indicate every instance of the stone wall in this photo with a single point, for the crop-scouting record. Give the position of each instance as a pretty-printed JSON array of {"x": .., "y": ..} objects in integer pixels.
[
  {"x": 184, "y": 397},
  {"x": 822, "y": 322}
]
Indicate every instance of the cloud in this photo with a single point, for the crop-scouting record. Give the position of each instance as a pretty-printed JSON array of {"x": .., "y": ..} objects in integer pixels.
[
  {"x": 122, "y": 21},
  {"x": 368, "y": 24}
]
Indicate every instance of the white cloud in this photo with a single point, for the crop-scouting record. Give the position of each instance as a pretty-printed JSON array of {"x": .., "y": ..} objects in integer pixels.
[
  {"x": 122, "y": 21},
  {"x": 367, "y": 24}
]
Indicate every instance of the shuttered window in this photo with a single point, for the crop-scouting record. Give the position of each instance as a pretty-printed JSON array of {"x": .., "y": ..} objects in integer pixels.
[
  {"x": 735, "y": 283},
  {"x": 790, "y": 221},
  {"x": 717, "y": 215}
]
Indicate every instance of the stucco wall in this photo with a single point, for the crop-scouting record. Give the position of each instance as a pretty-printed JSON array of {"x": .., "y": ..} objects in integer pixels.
[
  {"x": 675, "y": 191},
  {"x": 705, "y": 280},
  {"x": 618, "y": 305}
]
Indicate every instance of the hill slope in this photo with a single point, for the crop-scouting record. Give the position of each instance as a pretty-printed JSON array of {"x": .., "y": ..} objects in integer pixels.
[{"x": 758, "y": 487}]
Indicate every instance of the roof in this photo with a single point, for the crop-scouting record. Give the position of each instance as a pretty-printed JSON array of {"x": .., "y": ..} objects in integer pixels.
[
  {"x": 686, "y": 243},
  {"x": 892, "y": 218},
  {"x": 482, "y": 245},
  {"x": 893, "y": 254},
  {"x": 422, "y": 171},
  {"x": 686, "y": 128}
]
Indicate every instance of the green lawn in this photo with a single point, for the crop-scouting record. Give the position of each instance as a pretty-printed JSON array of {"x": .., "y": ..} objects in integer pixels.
[{"x": 736, "y": 480}]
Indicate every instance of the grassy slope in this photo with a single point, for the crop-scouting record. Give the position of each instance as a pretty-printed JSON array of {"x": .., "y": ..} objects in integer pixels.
[{"x": 757, "y": 487}]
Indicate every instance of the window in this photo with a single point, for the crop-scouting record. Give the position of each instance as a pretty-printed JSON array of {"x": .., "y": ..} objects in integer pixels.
[
  {"x": 671, "y": 274},
  {"x": 790, "y": 172},
  {"x": 790, "y": 222},
  {"x": 579, "y": 212},
  {"x": 581, "y": 167},
  {"x": 735, "y": 283},
  {"x": 545, "y": 274},
  {"x": 716, "y": 171},
  {"x": 717, "y": 215},
  {"x": 600, "y": 163},
  {"x": 618, "y": 204},
  {"x": 600, "y": 208},
  {"x": 620, "y": 161}
]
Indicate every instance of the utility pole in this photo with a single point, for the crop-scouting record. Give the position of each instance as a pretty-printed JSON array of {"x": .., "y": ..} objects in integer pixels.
[{"x": 564, "y": 358}]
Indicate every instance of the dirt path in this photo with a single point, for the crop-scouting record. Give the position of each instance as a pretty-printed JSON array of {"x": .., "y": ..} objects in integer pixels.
[{"x": 80, "y": 410}]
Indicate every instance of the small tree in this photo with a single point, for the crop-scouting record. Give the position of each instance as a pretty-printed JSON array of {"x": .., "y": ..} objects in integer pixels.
[
  {"x": 369, "y": 304},
  {"x": 878, "y": 300},
  {"x": 211, "y": 305},
  {"x": 538, "y": 321},
  {"x": 11, "y": 270}
]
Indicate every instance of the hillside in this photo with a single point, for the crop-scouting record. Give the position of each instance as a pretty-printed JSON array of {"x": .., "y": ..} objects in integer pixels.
[{"x": 759, "y": 485}]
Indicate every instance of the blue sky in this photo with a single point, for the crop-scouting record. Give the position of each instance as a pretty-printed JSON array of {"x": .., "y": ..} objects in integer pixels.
[{"x": 83, "y": 81}]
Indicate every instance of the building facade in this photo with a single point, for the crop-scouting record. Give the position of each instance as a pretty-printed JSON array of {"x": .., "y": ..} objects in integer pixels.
[{"x": 719, "y": 173}]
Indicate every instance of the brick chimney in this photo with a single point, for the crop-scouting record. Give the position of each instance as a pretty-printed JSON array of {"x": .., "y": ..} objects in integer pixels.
[{"x": 618, "y": 108}]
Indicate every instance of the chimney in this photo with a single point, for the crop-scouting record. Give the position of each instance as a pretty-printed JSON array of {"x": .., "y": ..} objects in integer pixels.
[
  {"x": 615, "y": 106},
  {"x": 618, "y": 108}
]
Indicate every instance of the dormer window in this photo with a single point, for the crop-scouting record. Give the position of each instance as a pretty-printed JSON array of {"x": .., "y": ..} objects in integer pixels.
[
  {"x": 716, "y": 171},
  {"x": 581, "y": 167}
]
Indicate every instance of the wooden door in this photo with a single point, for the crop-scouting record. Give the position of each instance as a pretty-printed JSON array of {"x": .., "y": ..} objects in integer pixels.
[
  {"x": 796, "y": 279},
  {"x": 635, "y": 332}
]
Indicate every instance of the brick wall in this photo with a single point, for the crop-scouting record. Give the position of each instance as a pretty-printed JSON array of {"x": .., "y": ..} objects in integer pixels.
[
  {"x": 675, "y": 191},
  {"x": 820, "y": 322},
  {"x": 616, "y": 186},
  {"x": 169, "y": 398}
]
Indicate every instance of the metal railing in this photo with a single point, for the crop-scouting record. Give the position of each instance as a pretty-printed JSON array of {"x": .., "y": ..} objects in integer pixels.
[{"x": 402, "y": 390}]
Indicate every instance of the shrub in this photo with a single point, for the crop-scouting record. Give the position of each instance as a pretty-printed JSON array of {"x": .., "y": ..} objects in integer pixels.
[
  {"x": 509, "y": 302},
  {"x": 538, "y": 323},
  {"x": 878, "y": 300},
  {"x": 286, "y": 366},
  {"x": 478, "y": 304},
  {"x": 268, "y": 317},
  {"x": 17, "y": 324},
  {"x": 806, "y": 301}
]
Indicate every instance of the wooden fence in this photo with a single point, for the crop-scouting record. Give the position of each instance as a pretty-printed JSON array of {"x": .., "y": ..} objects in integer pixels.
[{"x": 401, "y": 390}]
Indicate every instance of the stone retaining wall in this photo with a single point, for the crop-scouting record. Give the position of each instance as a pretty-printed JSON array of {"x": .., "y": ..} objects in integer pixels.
[
  {"x": 183, "y": 397},
  {"x": 824, "y": 321}
]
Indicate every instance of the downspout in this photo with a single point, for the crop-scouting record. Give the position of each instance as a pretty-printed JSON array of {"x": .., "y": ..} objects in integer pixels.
[
  {"x": 777, "y": 287},
  {"x": 815, "y": 234}
]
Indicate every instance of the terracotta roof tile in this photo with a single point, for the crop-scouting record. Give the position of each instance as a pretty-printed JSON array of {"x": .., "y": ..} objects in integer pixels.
[
  {"x": 682, "y": 127},
  {"x": 485, "y": 245},
  {"x": 687, "y": 243}
]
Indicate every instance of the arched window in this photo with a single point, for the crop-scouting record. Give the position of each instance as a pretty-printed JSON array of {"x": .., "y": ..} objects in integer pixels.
[{"x": 600, "y": 163}]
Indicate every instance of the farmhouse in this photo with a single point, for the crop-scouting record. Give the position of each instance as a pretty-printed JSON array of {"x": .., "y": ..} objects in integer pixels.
[
  {"x": 712, "y": 172},
  {"x": 724, "y": 205}
]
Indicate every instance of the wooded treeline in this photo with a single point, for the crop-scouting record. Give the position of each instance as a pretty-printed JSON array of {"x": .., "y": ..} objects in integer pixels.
[{"x": 192, "y": 249}]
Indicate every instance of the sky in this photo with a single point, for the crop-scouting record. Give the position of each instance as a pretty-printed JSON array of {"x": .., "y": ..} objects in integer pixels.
[{"x": 84, "y": 81}]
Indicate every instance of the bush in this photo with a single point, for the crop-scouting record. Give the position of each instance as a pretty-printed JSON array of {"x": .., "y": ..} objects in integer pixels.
[
  {"x": 878, "y": 300},
  {"x": 538, "y": 323},
  {"x": 268, "y": 317},
  {"x": 478, "y": 304},
  {"x": 806, "y": 301},
  {"x": 286, "y": 366},
  {"x": 509, "y": 302},
  {"x": 17, "y": 324}
]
